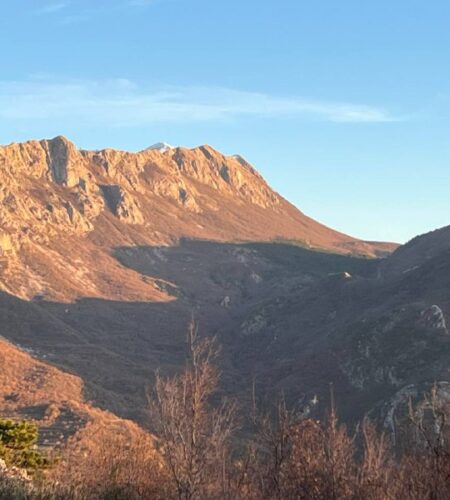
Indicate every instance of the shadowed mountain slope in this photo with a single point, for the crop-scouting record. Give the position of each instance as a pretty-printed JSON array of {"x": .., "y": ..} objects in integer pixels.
[{"x": 288, "y": 318}]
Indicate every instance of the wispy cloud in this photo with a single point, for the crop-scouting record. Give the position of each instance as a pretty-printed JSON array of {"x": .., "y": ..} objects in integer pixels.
[
  {"x": 122, "y": 103},
  {"x": 141, "y": 3},
  {"x": 53, "y": 7},
  {"x": 86, "y": 11}
]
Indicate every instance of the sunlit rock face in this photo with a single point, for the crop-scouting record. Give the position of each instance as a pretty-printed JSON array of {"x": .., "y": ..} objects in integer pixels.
[{"x": 52, "y": 191}]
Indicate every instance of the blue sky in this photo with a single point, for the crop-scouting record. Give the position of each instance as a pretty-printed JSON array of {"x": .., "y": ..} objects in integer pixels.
[{"x": 343, "y": 106}]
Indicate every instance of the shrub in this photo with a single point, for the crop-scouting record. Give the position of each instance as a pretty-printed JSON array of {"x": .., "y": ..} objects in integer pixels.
[{"x": 18, "y": 445}]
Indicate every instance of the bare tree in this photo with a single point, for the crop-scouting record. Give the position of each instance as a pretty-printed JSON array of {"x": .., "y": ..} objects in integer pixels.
[
  {"x": 426, "y": 466},
  {"x": 274, "y": 446},
  {"x": 303, "y": 458},
  {"x": 376, "y": 471},
  {"x": 194, "y": 435}
]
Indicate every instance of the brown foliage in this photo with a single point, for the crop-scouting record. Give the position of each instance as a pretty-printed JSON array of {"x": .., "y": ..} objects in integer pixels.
[
  {"x": 298, "y": 458},
  {"x": 117, "y": 464},
  {"x": 194, "y": 435},
  {"x": 287, "y": 457}
]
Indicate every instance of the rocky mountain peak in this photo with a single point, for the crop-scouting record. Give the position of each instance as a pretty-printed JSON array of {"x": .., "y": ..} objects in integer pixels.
[
  {"x": 52, "y": 191},
  {"x": 62, "y": 157}
]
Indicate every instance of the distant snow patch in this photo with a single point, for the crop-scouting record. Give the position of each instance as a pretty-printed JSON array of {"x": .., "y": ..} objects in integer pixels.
[{"x": 162, "y": 147}]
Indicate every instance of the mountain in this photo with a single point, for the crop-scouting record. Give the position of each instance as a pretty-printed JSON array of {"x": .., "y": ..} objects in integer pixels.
[
  {"x": 54, "y": 197},
  {"x": 106, "y": 255}
]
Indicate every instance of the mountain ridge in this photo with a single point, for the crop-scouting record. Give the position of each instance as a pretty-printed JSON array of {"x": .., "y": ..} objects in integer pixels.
[{"x": 53, "y": 193}]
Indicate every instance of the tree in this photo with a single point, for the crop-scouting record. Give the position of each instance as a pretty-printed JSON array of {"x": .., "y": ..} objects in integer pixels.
[
  {"x": 17, "y": 444},
  {"x": 194, "y": 435}
]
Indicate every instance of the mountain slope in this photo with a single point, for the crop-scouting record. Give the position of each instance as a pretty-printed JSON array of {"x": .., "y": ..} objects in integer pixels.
[
  {"x": 54, "y": 401},
  {"x": 54, "y": 197},
  {"x": 292, "y": 319}
]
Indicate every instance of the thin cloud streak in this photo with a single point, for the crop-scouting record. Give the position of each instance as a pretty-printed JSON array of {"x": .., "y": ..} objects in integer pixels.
[
  {"x": 53, "y": 7},
  {"x": 66, "y": 13},
  {"x": 121, "y": 103},
  {"x": 141, "y": 3}
]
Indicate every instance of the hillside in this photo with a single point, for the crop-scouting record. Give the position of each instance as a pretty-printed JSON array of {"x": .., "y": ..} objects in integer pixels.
[
  {"x": 54, "y": 400},
  {"x": 289, "y": 318},
  {"x": 106, "y": 256}
]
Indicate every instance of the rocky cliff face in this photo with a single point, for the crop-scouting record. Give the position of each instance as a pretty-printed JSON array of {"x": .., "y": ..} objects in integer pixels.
[
  {"x": 49, "y": 187},
  {"x": 52, "y": 195},
  {"x": 45, "y": 192}
]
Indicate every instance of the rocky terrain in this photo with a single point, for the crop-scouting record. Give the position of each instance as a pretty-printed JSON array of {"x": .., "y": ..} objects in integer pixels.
[
  {"x": 52, "y": 399},
  {"x": 54, "y": 197},
  {"x": 106, "y": 255}
]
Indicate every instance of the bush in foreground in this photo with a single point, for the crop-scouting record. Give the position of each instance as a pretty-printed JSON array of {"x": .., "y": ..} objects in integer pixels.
[{"x": 18, "y": 445}]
